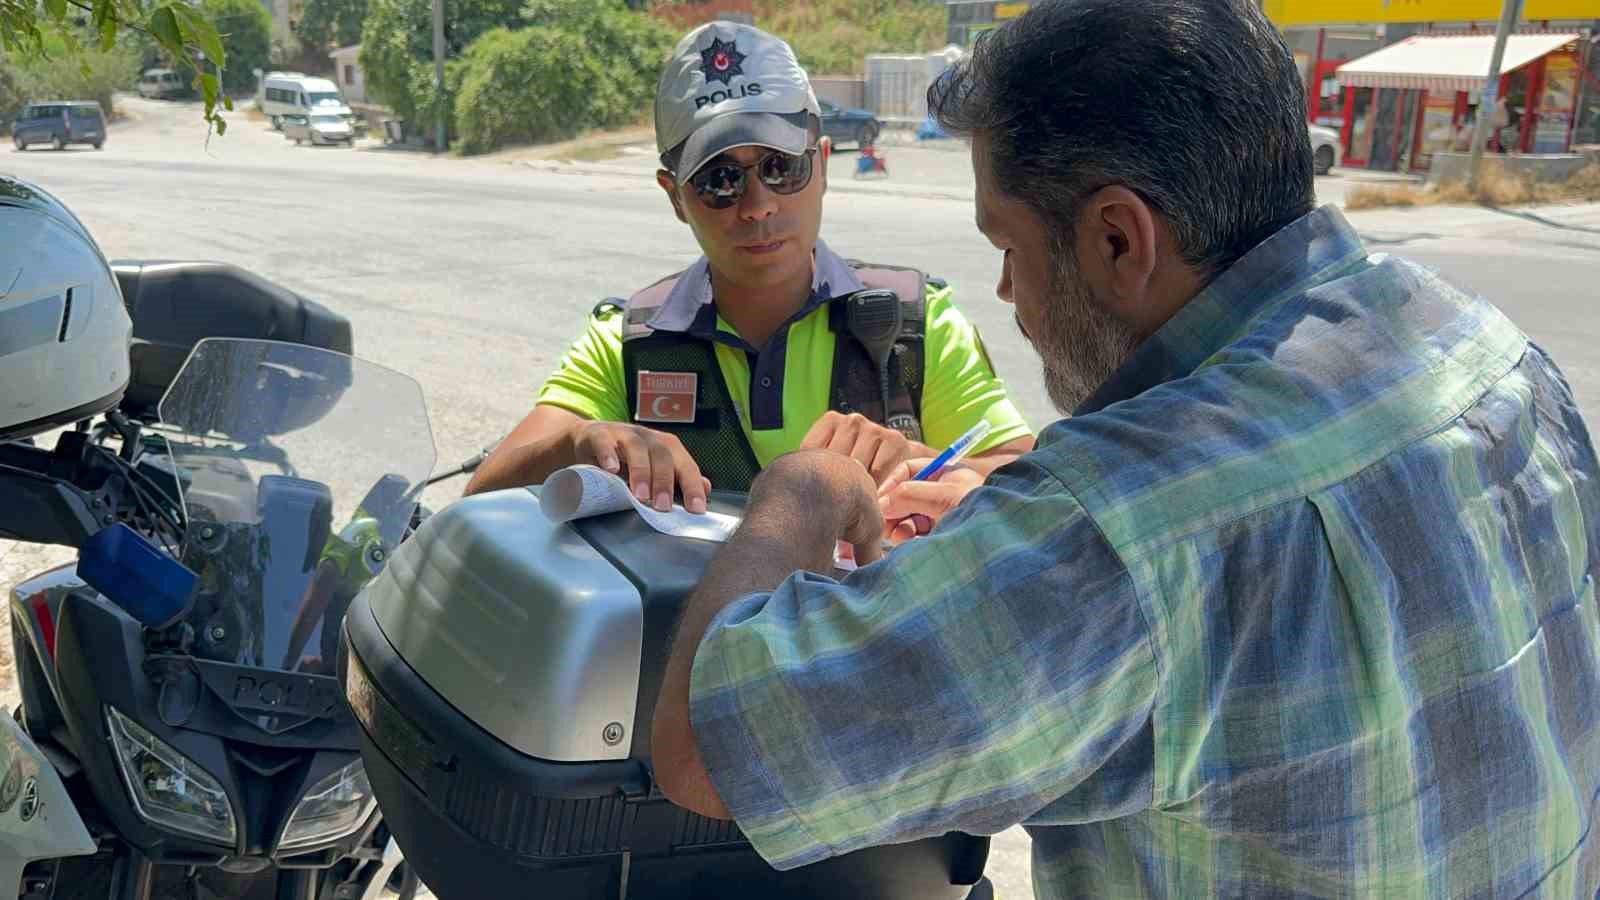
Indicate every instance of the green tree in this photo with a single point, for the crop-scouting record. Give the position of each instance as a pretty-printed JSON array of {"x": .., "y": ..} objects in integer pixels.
[
  {"x": 397, "y": 44},
  {"x": 27, "y": 26},
  {"x": 12, "y": 95},
  {"x": 327, "y": 22},
  {"x": 246, "y": 30},
  {"x": 579, "y": 65}
]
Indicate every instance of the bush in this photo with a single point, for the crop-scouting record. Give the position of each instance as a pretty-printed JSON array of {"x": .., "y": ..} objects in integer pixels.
[
  {"x": 428, "y": 101},
  {"x": 591, "y": 65},
  {"x": 577, "y": 64},
  {"x": 518, "y": 87}
]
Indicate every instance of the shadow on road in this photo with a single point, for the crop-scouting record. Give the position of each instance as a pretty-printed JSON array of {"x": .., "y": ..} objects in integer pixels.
[
  {"x": 1379, "y": 240},
  {"x": 1541, "y": 220}
]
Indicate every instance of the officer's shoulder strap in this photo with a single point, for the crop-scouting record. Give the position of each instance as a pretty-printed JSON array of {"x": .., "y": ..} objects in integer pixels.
[{"x": 640, "y": 308}]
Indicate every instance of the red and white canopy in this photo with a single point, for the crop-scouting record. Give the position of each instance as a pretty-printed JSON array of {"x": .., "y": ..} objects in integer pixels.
[{"x": 1445, "y": 63}]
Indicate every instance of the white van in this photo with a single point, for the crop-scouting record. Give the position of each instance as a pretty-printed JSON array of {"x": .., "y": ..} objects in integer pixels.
[
  {"x": 157, "y": 84},
  {"x": 291, "y": 93}
]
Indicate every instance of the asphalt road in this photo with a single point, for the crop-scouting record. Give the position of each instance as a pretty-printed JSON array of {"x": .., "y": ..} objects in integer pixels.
[{"x": 472, "y": 276}]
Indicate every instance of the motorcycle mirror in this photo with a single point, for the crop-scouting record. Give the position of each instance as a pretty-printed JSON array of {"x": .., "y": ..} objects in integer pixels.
[{"x": 465, "y": 468}]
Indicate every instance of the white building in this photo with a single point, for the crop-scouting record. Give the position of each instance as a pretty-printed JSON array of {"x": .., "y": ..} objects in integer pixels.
[{"x": 347, "y": 73}]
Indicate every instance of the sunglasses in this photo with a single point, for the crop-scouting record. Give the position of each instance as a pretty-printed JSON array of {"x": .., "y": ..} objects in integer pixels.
[{"x": 719, "y": 185}]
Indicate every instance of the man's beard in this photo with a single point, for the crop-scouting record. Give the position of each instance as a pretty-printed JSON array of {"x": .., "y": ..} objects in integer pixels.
[{"x": 1082, "y": 345}]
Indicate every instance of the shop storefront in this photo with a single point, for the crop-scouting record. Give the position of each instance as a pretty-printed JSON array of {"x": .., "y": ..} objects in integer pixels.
[{"x": 1418, "y": 97}]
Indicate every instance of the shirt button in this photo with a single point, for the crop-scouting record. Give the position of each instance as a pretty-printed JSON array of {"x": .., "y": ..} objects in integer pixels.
[{"x": 766, "y": 381}]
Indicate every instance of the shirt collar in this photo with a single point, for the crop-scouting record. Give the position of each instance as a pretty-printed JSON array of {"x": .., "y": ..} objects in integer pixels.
[
  {"x": 1310, "y": 250},
  {"x": 831, "y": 277}
]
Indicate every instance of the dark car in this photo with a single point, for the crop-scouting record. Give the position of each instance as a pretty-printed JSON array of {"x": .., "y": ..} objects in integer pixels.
[
  {"x": 59, "y": 124},
  {"x": 849, "y": 126}
]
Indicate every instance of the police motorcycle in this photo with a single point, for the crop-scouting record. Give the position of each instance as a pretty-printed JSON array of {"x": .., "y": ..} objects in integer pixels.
[
  {"x": 504, "y": 670},
  {"x": 181, "y": 732}
]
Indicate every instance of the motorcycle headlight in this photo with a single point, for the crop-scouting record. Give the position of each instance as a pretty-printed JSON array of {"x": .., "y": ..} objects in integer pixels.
[
  {"x": 332, "y": 808},
  {"x": 168, "y": 788}
]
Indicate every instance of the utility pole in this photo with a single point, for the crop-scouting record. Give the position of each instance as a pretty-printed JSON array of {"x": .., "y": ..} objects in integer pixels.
[
  {"x": 439, "y": 74},
  {"x": 1509, "y": 12}
]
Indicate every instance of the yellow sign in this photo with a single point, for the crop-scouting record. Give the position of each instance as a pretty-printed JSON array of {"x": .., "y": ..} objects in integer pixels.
[
  {"x": 1285, "y": 13},
  {"x": 1010, "y": 10}
]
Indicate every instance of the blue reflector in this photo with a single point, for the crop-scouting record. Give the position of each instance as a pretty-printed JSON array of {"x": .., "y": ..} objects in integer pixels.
[{"x": 132, "y": 573}]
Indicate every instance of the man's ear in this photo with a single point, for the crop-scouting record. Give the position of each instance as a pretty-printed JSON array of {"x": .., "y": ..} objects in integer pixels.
[
  {"x": 824, "y": 153},
  {"x": 1118, "y": 232},
  {"x": 670, "y": 185},
  {"x": 1126, "y": 251}
]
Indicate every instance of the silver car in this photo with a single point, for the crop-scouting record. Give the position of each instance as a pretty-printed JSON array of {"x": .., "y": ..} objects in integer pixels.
[
  {"x": 319, "y": 128},
  {"x": 1324, "y": 148}
]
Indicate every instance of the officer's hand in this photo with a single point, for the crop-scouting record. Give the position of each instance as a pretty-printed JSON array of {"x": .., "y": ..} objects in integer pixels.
[
  {"x": 879, "y": 449},
  {"x": 655, "y": 462},
  {"x": 912, "y": 508}
]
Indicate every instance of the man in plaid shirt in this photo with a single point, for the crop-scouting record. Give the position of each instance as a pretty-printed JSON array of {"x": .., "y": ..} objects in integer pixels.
[{"x": 1299, "y": 602}]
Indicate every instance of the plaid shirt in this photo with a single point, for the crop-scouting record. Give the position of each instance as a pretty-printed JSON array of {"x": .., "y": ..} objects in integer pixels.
[{"x": 1301, "y": 603}]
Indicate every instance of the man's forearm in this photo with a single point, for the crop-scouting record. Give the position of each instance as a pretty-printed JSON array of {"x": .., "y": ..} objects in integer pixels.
[
  {"x": 530, "y": 463},
  {"x": 768, "y": 548},
  {"x": 758, "y": 557}
]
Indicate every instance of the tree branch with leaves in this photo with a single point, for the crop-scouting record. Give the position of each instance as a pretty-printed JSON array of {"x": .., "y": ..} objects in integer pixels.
[{"x": 177, "y": 27}]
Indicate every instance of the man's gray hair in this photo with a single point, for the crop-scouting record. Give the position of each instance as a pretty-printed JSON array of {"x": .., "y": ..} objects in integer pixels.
[{"x": 1196, "y": 105}]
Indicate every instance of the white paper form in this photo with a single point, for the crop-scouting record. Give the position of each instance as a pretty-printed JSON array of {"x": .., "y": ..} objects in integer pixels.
[{"x": 578, "y": 492}]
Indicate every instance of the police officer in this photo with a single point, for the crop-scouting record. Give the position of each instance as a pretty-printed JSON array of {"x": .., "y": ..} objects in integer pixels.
[{"x": 770, "y": 342}]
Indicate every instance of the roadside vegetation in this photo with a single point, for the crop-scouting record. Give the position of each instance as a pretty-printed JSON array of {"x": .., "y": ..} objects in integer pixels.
[
  {"x": 68, "y": 64},
  {"x": 92, "y": 74},
  {"x": 833, "y": 37},
  {"x": 562, "y": 67},
  {"x": 518, "y": 71},
  {"x": 537, "y": 71},
  {"x": 1496, "y": 187}
]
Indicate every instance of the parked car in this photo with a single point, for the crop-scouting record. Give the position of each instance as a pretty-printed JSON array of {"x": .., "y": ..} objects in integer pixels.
[
  {"x": 1324, "y": 148},
  {"x": 284, "y": 94},
  {"x": 318, "y": 128},
  {"x": 856, "y": 126},
  {"x": 59, "y": 123},
  {"x": 160, "y": 84}
]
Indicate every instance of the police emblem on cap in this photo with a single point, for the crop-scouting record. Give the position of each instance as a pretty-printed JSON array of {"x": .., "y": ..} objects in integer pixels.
[{"x": 720, "y": 62}]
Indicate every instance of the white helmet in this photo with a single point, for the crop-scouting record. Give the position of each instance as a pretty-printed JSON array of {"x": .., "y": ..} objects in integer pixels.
[{"x": 64, "y": 331}]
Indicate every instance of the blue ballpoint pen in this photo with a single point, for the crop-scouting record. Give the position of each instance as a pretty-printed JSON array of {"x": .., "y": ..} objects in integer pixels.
[{"x": 955, "y": 452}]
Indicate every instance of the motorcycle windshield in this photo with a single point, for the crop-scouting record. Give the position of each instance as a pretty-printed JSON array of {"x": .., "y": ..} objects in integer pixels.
[{"x": 300, "y": 470}]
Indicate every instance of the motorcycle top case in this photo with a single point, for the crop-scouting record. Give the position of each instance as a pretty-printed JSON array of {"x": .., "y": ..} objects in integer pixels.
[{"x": 504, "y": 670}]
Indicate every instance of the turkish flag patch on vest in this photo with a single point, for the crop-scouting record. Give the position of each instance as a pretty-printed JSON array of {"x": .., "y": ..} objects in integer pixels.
[{"x": 666, "y": 397}]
